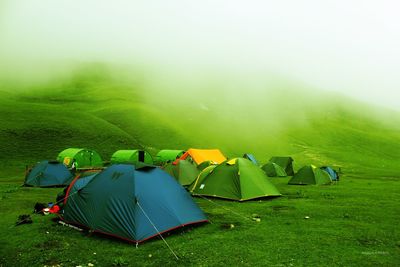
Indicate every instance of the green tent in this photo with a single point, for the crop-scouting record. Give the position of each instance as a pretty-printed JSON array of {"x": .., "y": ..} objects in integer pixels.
[
  {"x": 203, "y": 173},
  {"x": 310, "y": 174},
  {"x": 167, "y": 155},
  {"x": 83, "y": 158},
  {"x": 131, "y": 157},
  {"x": 273, "y": 170},
  {"x": 205, "y": 164},
  {"x": 285, "y": 162},
  {"x": 236, "y": 179},
  {"x": 185, "y": 172}
]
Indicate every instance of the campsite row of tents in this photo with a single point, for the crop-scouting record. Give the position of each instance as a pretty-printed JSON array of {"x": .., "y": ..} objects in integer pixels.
[
  {"x": 138, "y": 201},
  {"x": 87, "y": 158},
  {"x": 184, "y": 166}
]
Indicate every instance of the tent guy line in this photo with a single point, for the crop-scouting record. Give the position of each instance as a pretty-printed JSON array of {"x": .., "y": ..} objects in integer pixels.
[
  {"x": 225, "y": 208},
  {"x": 155, "y": 228}
]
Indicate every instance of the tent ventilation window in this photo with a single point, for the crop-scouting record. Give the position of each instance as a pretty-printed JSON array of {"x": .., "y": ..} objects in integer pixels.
[{"x": 141, "y": 155}]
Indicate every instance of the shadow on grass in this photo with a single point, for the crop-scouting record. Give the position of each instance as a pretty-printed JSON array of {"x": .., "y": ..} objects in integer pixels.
[{"x": 86, "y": 233}]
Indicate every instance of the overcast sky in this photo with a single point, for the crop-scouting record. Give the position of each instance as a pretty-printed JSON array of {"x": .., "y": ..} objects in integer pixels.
[{"x": 348, "y": 46}]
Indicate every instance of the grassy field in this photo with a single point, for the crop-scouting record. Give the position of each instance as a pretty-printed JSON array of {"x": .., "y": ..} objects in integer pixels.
[{"x": 352, "y": 223}]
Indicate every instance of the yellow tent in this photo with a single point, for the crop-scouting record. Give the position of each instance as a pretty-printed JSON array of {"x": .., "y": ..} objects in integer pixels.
[{"x": 201, "y": 155}]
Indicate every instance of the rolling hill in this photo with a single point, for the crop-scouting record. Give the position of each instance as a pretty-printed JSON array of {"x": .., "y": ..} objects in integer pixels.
[{"x": 93, "y": 109}]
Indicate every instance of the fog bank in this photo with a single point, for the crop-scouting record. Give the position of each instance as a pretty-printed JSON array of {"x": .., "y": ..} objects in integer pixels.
[{"x": 341, "y": 46}]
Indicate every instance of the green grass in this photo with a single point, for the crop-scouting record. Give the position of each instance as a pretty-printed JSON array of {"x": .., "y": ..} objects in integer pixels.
[{"x": 353, "y": 223}]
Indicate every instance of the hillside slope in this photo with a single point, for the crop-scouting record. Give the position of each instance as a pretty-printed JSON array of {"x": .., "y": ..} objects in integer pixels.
[{"x": 99, "y": 112}]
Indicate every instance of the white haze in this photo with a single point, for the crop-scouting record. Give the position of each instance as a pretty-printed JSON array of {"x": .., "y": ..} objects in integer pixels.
[{"x": 347, "y": 46}]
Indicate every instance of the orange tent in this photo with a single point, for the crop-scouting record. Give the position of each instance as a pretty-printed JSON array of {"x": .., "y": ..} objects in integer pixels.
[{"x": 201, "y": 155}]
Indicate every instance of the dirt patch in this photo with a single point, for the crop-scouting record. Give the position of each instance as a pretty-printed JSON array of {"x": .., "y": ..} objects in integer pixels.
[
  {"x": 298, "y": 194},
  {"x": 278, "y": 208},
  {"x": 368, "y": 242},
  {"x": 49, "y": 244}
]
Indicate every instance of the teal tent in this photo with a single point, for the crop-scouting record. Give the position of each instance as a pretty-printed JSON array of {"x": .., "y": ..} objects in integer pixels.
[
  {"x": 79, "y": 183},
  {"x": 251, "y": 157},
  {"x": 130, "y": 202},
  {"x": 332, "y": 173},
  {"x": 48, "y": 173}
]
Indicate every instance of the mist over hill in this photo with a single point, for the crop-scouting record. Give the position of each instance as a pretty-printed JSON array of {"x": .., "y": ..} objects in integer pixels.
[{"x": 107, "y": 108}]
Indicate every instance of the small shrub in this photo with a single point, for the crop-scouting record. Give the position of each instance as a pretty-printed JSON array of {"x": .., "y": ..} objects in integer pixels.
[
  {"x": 298, "y": 194},
  {"x": 327, "y": 196},
  {"x": 120, "y": 261}
]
